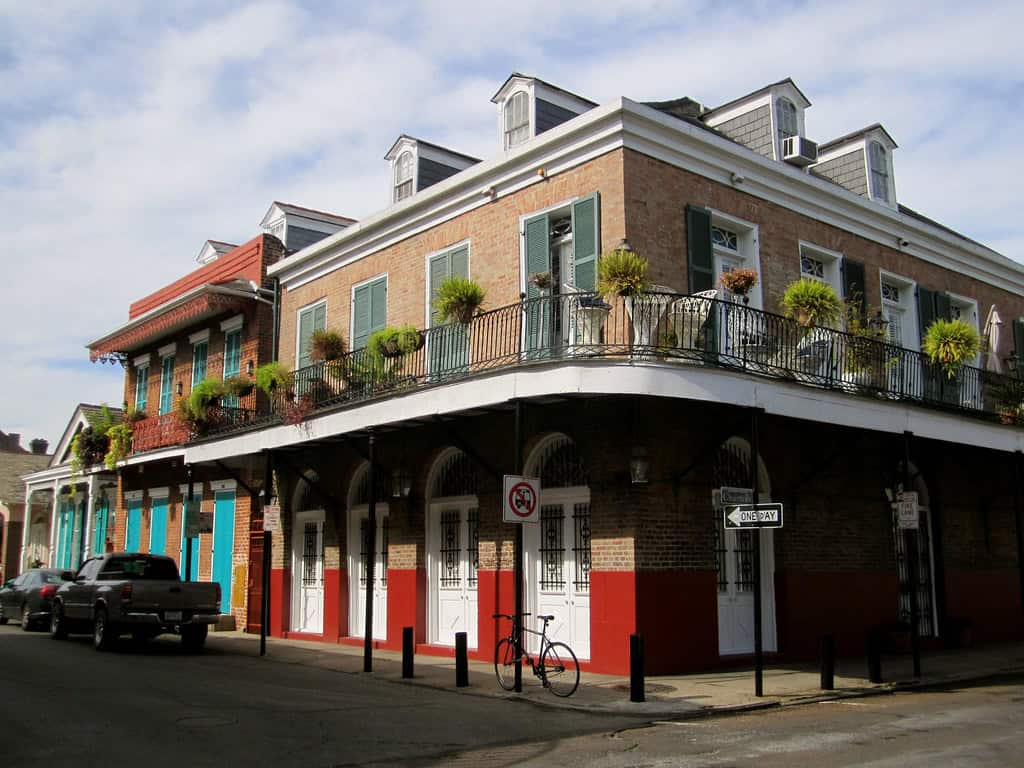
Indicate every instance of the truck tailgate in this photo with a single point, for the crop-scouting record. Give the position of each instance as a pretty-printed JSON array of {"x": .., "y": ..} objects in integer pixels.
[{"x": 162, "y": 596}]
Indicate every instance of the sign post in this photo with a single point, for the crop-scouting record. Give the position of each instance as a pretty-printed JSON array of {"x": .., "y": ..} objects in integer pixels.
[
  {"x": 271, "y": 518},
  {"x": 520, "y": 499}
]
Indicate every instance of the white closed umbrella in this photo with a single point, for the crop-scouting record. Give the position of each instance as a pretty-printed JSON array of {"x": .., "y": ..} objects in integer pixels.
[{"x": 991, "y": 334}]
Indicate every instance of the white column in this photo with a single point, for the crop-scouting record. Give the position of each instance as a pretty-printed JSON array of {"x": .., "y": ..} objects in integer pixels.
[
  {"x": 90, "y": 508},
  {"x": 22, "y": 565},
  {"x": 50, "y": 560}
]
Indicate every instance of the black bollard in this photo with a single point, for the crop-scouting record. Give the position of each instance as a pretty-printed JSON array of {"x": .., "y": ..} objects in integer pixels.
[
  {"x": 828, "y": 663},
  {"x": 874, "y": 648},
  {"x": 461, "y": 661},
  {"x": 636, "y": 668},
  {"x": 407, "y": 651}
]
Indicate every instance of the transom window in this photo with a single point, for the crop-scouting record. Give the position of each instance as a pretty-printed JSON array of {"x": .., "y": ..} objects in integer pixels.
[
  {"x": 879, "y": 164},
  {"x": 812, "y": 267},
  {"x": 890, "y": 292},
  {"x": 517, "y": 119},
  {"x": 724, "y": 238},
  {"x": 403, "y": 176}
]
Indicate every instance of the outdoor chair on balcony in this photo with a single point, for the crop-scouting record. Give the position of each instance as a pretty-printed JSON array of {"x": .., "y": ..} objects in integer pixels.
[
  {"x": 814, "y": 355},
  {"x": 688, "y": 317}
]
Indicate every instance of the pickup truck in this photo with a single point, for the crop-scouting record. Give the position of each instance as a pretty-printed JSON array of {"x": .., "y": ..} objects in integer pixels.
[{"x": 128, "y": 592}]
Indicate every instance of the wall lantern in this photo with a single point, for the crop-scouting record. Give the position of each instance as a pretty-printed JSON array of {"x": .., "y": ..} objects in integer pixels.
[
  {"x": 249, "y": 368},
  {"x": 401, "y": 482},
  {"x": 178, "y": 389},
  {"x": 639, "y": 466},
  {"x": 1013, "y": 361}
]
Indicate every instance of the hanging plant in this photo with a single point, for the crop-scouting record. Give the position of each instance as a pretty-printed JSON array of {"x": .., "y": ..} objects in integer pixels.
[
  {"x": 541, "y": 280},
  {"x": 811, "y": 303},
  {"x": 950, "y": 343},
  {"x": 205, "y": 395},
  {"x": 271, "y": 377},
  {"x": 120, "y": 436},
  {"x": 88, "y": 448},
  {"x": 393, "y": 342},
  {"x": 239, "y": 386},
  {"x": 458, "y": 299},
  {"x": 622, "y": 272},
  {"x": 326, "y": 345},
  {"x": 739, "y": 281}
]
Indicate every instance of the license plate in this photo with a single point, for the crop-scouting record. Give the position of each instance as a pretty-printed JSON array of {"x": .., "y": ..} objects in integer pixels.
[{"x": 172, "y": 615}]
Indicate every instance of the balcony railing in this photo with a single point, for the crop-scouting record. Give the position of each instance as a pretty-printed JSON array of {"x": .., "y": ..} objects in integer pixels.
[
  {"x": 167, "y": 429},
  {"x": 667, "y": 328}
]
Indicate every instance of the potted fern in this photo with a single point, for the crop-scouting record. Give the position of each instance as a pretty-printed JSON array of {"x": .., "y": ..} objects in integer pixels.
[
  {"x": 394, "y": 342},
  {"x": 623, "y": 272},
  {"x": 325, "y": 344},
  {"x": 950, "y": 344},
  {"x": 458, "y": 299},
  {"x": 273, "y": 377},
  {"x": 811, "y": 303}
]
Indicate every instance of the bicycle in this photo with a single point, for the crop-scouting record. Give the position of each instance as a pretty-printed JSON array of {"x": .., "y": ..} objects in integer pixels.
[{"x": 556, "y": 665}]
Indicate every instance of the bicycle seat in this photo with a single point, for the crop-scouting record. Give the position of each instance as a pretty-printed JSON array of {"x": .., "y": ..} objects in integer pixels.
[{"x": 546, "y": 618}]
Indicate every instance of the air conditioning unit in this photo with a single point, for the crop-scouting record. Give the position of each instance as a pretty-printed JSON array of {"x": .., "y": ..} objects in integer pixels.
[{"x": 799, "y": 151}]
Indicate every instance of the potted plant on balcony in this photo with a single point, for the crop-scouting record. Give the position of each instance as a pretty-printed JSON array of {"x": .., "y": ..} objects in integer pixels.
[
  {"x": 1008, "y": 397},
  {"x": 813, "y": 304},
  {"x": 273, "y": 378},
  {"x": 739, "y": 282},
  {"x": 865, "y": 360},
  {"x": 239, "y": 386},
  {"x": 458, "y": 299},
  {"x": 623, "y": 272},
  {"x": 325, "y": 344},
  {"x": 541, "y": 281},
  {"x": 395, "y": 342},
  {"x": 120, "y": 440},
  {"x": 950, "y": 344}
]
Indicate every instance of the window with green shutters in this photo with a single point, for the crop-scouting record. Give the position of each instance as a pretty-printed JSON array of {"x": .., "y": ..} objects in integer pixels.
[
  {"x": 311, "y": 318},
  {"x": 200, "y": 352},
  {"x": 369, "y": 310},
  {"x": 166, "y": 383},
  {"x": 448, "y": 343},
  {"x": 232, "y": 353},
  {"x": 141, "y": 387}
]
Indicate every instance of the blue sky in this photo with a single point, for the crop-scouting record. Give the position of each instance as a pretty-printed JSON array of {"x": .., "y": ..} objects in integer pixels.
[{"x": 131, "y": 133}]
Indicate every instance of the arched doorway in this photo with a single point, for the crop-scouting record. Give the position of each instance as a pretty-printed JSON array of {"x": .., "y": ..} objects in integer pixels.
[
  {"x": 557, "y": 549},
  {"x": 307, "y": 614},
  {"x": 453, "y": 518},
  {"x": 926, "y": 603},
  {"x": 358, "y": 540},
  {"x": 734, "y": 554}
]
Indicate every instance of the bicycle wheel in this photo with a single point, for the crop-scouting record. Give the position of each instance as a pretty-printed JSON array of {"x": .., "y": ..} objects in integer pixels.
[
  {"x": 505, "y": 664},
  {"x": 561, "y": 670}
]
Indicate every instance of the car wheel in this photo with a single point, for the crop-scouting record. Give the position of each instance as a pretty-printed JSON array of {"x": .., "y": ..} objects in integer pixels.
[
  {"x": 58, "y": 627},
  {"x": 193, "y": 637},
  {"x": 3, "y": 617},
  {"x": 104, "y": 636},
  {"x": 26, "y": 621}
]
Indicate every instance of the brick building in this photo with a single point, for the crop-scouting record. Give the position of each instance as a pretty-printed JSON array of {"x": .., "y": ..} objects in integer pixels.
[
  {"x": 15, "y": 461},
  {"x": 639, "y": 415}
]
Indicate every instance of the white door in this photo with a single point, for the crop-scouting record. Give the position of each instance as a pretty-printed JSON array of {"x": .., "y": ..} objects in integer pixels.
[
  {"x": 734, "y": 560},
  {"x": 558, "y": 561},
  {"x": 452, "y": 570},
  {"x": 357, "y": 568},
  {"x": 308, "y": 570}
]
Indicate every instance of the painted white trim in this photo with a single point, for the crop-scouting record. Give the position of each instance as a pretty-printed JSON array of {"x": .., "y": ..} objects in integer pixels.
[
  {"x": 908, "y": 305},
  {"x": 832, "y": 260},
  {"x": 197, "y": 488},
  {"x": 157, "y": 455},
  {"x": 199, "y": 337},
  {"x": 352, "y": 303},
  {"x": 748, "y": 250},
  {"x": 298, "y": 323},
  {"x": 167, "y": 350},
  {"x": 163, "y": 492},
  {"x": 971, "y": 305},
  {"x": 232, "y": 324},
  {"x": 142, "y": 360},
  {"x": 223, "y": 485},
  {"x": 133, "y": 495}
]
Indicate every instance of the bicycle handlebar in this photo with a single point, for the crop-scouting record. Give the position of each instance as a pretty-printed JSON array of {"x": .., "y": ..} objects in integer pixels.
[{"x": 508, "y": 616}]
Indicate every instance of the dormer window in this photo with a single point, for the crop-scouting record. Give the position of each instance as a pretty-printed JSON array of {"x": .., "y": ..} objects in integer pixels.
[
  {"x": 403, "y": 176},
  {"x": 517, "y": 119},
  {"x": 785, "y": 115},
  {"x": 878, "y": 162}
]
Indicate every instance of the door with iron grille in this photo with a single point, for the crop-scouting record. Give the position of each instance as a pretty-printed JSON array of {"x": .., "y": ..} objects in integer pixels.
[
  {"x": 308, "y": 572},
  {"x": 452, "y": 565},
  {"x": 926, "y": 625},
  {"x": 358, "y": 556},
  {"x": 558, "y": 563}
]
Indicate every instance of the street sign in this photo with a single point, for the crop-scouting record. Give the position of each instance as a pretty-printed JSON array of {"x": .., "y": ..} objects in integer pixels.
[
  {"x": 908, "y": 511},
  {"x": 766, "y": 515},
  {"x": 521, "y": 499},
  {"x": 729, "y": 496},
  {"x": 192, "y": 518},
  {"x": 272, "y": 517}
]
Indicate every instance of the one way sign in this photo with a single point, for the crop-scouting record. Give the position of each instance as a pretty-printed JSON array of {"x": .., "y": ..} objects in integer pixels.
[{"x": 768, "y": 515}]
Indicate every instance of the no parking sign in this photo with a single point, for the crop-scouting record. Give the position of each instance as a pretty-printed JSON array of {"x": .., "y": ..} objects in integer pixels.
[{"x": 521, "y": 499}]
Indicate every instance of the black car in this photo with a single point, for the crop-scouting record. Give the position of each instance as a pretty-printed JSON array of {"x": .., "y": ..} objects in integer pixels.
[{"x": 29, "y": 597}]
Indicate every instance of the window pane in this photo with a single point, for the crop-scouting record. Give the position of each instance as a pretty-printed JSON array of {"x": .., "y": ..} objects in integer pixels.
[
  {"x": 166, "y": 383},
  {"x": 199, "y": 355}
]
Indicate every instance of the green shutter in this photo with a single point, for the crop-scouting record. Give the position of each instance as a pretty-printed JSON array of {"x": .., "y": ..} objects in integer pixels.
[
  {"x": 320, "y": 317},
  {"x": 459, "y": 258},
  {"x": 853, "y": 283},
  {"x": 700, "y": 259},
  {"x": 538, "y": 259},
  {"x": 360, "y": 317},
  {"x": 926, "y": 313},
  {"x": 586, "y": 241},
  {"x": 378, "y": 304},
  {"x": 438, "y": 274},
  {"x": 943, "y": 307},
  {"x": 305, "y": 332},
  {"x": 1018, "y": 344}
]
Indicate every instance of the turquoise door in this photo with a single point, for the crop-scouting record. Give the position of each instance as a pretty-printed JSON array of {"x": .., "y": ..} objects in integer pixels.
[
  {"x": 158, "y": 528},
  {"x": 133, "y": 526},
  {"x": 223, "y": 544},
  {"x": 194, "y": 569},
  {"x": 65, "y": 534},
  {"x": 102, "y": 512}
]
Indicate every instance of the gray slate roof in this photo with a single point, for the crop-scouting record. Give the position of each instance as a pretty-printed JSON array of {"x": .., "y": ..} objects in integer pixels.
[{"x": 12, "y": 467}]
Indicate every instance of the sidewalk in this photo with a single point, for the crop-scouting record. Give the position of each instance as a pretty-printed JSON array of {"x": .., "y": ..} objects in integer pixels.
[{"x": 666, "y": 696}]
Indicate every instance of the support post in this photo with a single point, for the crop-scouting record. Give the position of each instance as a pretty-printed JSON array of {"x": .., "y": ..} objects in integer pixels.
[
  {"x": 407, "y": 653},
  {"x": 873, "y": 646},
  {"x": 828, "y": 663},
  {"x": 1019, "y": 517},
  {"x": 371, "y": 546},
  {"x": 461, "y": 660},
  {"x": 636, "y": 668},
  {"x": 517, "y": 574},
  {"x": 910, "y": 547},
  {"x": 187, "y": 506},
  {"x": 268, "y": 543},
  {"x": 758, "y": 629}
]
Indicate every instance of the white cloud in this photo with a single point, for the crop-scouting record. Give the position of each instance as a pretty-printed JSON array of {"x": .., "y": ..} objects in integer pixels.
[{"x": 135, "y": 132}]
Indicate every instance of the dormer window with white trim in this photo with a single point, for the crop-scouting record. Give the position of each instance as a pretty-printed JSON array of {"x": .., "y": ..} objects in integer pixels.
[
  {"x": 517, "y": 119},
  {"x": 403, "y": 176},
  {"x": 785, "y": 114},
  {"x": 878, "y": 162}
]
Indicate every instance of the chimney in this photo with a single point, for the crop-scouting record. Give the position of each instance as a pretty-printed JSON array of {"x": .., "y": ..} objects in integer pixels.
[
  {"x": 39, "y": 446},
  {"x": 12, "y": 442}
]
